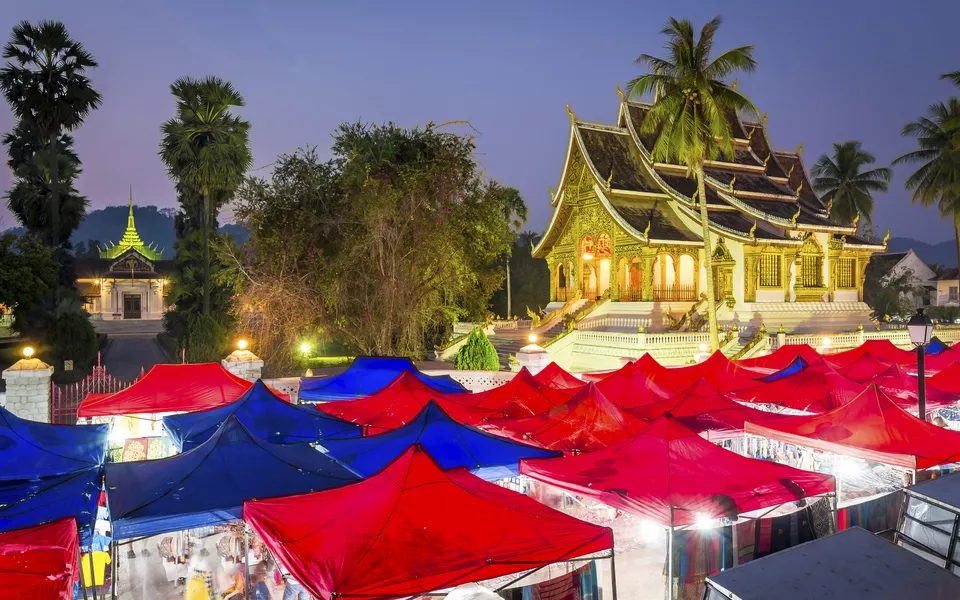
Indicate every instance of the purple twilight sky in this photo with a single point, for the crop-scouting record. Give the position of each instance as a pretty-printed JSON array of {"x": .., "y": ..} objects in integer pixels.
[{"x": 828, "y": 71}]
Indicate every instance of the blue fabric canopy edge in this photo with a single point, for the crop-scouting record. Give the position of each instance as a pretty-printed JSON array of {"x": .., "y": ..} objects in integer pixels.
[
  {"x": 268, "y": 417},
  {"x": 450, "y": 443},
  {"x": 208, "y": 484},
  {"x": 368, "y": 375},
  {"x": 796, "y": 366},
  {"x": 31, "y": 502},
  {"x": 42, "y": 449}
]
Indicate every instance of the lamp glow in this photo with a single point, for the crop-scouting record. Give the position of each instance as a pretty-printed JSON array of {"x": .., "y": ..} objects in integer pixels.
[
  {"x": 703, "y": 347},
  {"x": 704, "y": 522},
  {"x": 825, "y": 341},
  {"x": 242, "y": 344},
  {"x": 532, "y": 338},
  {"x": 28, "y": 352},
  {"x": 587, "y": 256},
  {"x": 650, "y": 531},
  {"x": 305, "y": 347}
]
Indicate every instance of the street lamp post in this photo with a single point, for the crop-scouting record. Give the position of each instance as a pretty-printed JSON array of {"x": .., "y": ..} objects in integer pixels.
[{"x": 920, "y": 328}]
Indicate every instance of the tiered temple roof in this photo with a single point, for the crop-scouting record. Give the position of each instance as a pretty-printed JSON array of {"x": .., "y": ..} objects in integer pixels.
[
  {"x": 131, "y": 241},
  {"x": 761, "y": 194}
]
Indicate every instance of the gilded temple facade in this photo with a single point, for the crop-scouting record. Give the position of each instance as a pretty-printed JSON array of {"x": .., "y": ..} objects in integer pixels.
[{"x": 627, "y": 229}]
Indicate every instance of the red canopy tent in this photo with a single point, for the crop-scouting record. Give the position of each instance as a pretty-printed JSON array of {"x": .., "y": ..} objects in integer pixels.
[
  {"x": 631, "y": 386},
  {"x": 722, "y": 374},
  {"x": 671, "y": 475},
  {"x": 171, "y": 388},
  {"x": 646, "y": 364},
  {"x": 864, "y": 368},
  {"x": 872, "y": 427},
  {"x": 522, "y": 396},
  {"x": 587, "y": 422},
  {"x": 413, "y": 529},
  {"x": 39, "y": 562},
  {"x": 882, "y": 350},
  {"x": 554, "y": 376},
  {"x": 817, "y": 388},
  {"x": 937, "y": 362},
  {"x": 947, "y": 380},
  {"x": 782, "y": 357},
  {"x": 398, "y": 404},
  {"x": 903, "y": 388},
  {"x": 703, "y": 409}
]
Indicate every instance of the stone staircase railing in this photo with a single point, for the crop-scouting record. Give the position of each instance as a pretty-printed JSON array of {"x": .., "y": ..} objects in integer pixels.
[{"x": 692, "y": 319}]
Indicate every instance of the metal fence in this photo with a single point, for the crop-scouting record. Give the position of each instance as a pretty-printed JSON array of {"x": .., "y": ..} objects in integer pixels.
[{"x": 65, "y": 398}]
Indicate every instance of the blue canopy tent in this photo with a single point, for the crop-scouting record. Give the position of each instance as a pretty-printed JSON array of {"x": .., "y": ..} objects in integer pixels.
[
  {"x": 31, "y": 450},
  {"x": 369, "y": 375},
  {"x": 935, "y": 346},
  {"x": 450, "y": 443},
  {"x": 29, "y": 502},
  {"x": 209, "y": 484},
  {"x": 266, "y": 416},
  {"x": 795, "y": 366}
]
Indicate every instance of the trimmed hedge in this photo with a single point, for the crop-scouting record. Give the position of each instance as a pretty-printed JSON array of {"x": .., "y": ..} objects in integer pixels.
[{"x": 477, "y": 354}]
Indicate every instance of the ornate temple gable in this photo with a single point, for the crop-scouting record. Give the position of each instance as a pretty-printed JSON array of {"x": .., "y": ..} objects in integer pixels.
[
  {"x": 762, "y": 148},
  {"x": 131, "y": 241},
  {"x": 132, "y": 261},
  {"x": 798, "y": 178}
]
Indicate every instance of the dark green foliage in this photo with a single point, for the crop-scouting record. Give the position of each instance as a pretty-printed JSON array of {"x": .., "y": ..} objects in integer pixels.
[
  {"x": 842, "y": 181},
  {"x": 205, "y": 340},
  {"x": 72, "y": 337},
  {"x": 88, "y": 249},
  {"x": 887, "y": 297},
  {"x": 477, "y": 353},
  {"x": 27, "y": 271},
  {"x": 529, "y": 277}
]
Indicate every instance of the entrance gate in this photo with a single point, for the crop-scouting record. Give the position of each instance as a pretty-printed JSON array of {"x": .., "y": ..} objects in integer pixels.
[{"x": 65, "y": 398}]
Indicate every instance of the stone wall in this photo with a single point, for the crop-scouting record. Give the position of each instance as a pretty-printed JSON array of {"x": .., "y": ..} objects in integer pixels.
[{"x": 28, "y": 389}]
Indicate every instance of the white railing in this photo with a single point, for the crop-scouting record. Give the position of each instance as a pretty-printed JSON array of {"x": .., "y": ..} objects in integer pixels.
[
  {"x": 615, "y": 322},
  {"x": 475, "y": 381},
  {"x": 286, "y": 385}
]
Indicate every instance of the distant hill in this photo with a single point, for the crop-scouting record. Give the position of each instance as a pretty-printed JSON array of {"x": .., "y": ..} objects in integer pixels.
[
  {"x": 153, "y": 224},
  {"x": 944, "y": 253}
]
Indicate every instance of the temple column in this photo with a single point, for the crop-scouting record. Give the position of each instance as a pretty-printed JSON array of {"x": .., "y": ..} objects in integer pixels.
[
  {"x": 750, "y": 257},
  {"x": 647, "y": 256}
]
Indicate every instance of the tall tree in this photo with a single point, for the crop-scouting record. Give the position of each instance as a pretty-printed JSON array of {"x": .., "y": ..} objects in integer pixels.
[
  {"x": 689, "y": 112},
  {"x": 516, "y": 213},
  {"x": 842, "y": 181},
  {"x": 206, "y": 150},
  {"x": 46, "y": 85},
  {"x": 937, "y": 180}
]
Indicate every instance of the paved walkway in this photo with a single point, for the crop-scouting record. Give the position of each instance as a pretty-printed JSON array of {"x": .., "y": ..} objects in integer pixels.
[{"x": 126, "y": 355}]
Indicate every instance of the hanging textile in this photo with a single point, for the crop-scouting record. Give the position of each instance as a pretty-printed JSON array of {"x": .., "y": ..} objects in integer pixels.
[
  {"x": 876, "y": 516},
  {"x": 577, "y": 585},
  {"x": 698, "y": 553}
]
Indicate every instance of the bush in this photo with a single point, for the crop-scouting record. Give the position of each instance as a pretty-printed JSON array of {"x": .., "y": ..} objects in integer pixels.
[
  {"x": 72, "y": 337},
  {"x": 477, "y": 354},
  {"x": 206, "y": 340}
]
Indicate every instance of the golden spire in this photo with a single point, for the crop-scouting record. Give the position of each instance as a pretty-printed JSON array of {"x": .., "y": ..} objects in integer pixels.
[
  {"x": 646, "y": 230},
  {"x": 790, "y": 172},
  {"x": 793, "y": 221},
  {"x": 750, "y": 133},
  {"x": 610, "y": 178},
  {"x": 753, "y": 230},
  {"x": 620, "y": 94},
  {"x": 886, "y": 237},
  {"x": 571, "y": 114},
  {"x": 799, "y": 187},
  {"x": 856, "y": 220},
  {"x": 799, "y": 149},
  {"x": 766, "y": 160},
  {"x": 763, "y": 119},
  {"x": 735, "y": 84},
  {"x": 732, "y": 181}
]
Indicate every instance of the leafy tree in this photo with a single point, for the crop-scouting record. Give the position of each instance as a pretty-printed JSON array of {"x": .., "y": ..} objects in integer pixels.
[
  {"x": 689, "y": 112},
  {"x": 888, "y": 295},
  {"x": 531, "y": 279},
  {"x": 28, "y": 272},
  {"x": 88, "y": 249},
  {"x": 46, "y": 85},
  {"x": 477, "y": 353},
  {"x": 937, "y": 180},
  {"x": 206, "y": 150},
  {"x": 842, "y": 181},
  {"x": 382, "y": 248}
]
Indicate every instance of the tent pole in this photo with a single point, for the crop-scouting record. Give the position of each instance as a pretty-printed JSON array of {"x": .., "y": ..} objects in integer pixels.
[
  {"x": 83, "y": 588},
  {"x": 735, "y": 541},
  {"x": 114, "y": 569},
  {"x": 670, "y": 558},
  {"x": 246, "y": 564},
  {"x": 613, "y": 565}
]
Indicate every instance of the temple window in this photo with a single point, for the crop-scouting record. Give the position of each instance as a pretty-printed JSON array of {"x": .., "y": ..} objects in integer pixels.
[
  {"x": 770, "y": 270},
  {"x": 846, "y": 269},
  {"x": 604, "y": 246},
  {"x": 812, "y": 270}
]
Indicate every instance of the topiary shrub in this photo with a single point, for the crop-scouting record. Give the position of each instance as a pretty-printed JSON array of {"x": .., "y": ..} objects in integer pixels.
[
  {"x": 72, "y": 337},
  {"x": 206, "y": 340},
  {"x": 477, "y": 353}
]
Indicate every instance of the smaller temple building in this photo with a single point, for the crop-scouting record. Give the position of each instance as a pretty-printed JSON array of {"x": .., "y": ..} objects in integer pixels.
[{"x": 128, "y": 281}]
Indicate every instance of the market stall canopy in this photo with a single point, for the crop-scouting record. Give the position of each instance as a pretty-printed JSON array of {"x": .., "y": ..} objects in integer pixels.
[
  {"x": 522, "y": 396},
  {"x": 818, "y": 388},
  {"x": 936, "y": 347},
  {"x": 414, "y": 528},
  {"x": 720, "y": 371},
  {"x": 32, "y": 449},
  {"x": 865, "y": 368},
  {"x": 851, "y": 564},
  {"x": 703, "y": 409},
  {"x": 170, "y": 388},
  {"x": 554, "y": 376},
  {"x": 872, "y": 427},
  {"x": 883, "y": 350},
  {"x": 904, "y": 389},
  {"x": 31, "y": 502},
  {"x": 208, "y": 485},
  {"x": 587, "y": 422},
  {"x": 668, "y": 469},
  {"x": 264, "y": 414},
  {"x": 937, "y": 362},
  {"x": 397, "y": 405},
  {"x": 450, "y": 443},
  {"x": 781, "y": 357},
  {"x": 368, "y": 375},
  {"x": 947, "y": 380},
  {"x": 632, "y": 386},
  {"x": 39, "y": 562},
  {"x": 798, "y": 364}
]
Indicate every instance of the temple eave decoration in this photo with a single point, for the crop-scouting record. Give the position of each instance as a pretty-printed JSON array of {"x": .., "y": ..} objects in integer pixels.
[{"x": 130, "y": 241}]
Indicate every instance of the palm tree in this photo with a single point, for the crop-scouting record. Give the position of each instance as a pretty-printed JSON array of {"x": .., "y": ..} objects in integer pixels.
[
  {"x": 937, "y": 180},
  {"x": 46, "y": 85},
  {"x": 206, "y": 150},
  {"x": 842, "y": 182},
  {"x": 690, "y": 112}
]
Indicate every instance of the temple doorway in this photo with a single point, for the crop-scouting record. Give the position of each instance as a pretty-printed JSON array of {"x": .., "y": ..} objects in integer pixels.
[{"x": 131, "y": 306}]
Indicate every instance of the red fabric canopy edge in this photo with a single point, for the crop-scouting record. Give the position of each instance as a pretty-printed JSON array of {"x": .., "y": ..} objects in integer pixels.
[{"x": 40, "y": 562}]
